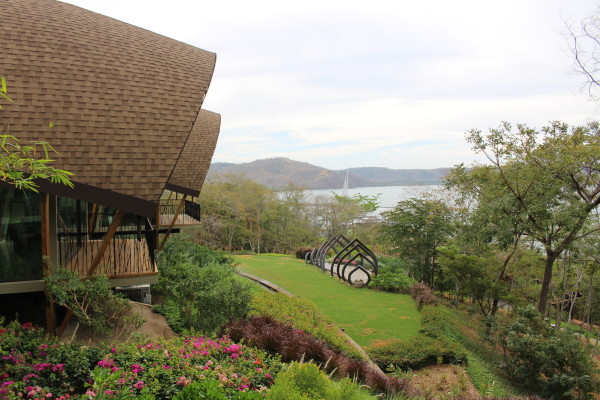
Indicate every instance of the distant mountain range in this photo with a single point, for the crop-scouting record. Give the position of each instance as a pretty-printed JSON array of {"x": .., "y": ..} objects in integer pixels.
[{"x": 277, "y": 173}]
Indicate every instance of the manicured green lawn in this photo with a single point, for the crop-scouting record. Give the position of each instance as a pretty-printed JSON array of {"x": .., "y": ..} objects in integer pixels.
[{"x": 366, "y": 315}]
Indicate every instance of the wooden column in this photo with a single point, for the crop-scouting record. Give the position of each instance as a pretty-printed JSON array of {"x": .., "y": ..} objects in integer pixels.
[
  {"x": 157, "y": 225},
  {"x": 46, "y": 254},
  {"x": 112, "y": 229}
]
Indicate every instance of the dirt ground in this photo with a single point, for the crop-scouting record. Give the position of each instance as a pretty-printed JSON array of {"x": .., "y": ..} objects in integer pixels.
[
  {"x": 155, "y": 325},
  {"x": 443, "y": 382}
]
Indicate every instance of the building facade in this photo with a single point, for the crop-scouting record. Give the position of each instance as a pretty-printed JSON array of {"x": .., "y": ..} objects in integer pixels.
[{"x": 126, "y": 105}]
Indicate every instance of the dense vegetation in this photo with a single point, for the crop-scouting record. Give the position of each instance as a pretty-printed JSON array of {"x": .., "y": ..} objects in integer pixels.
[
  {"x": 240, "y": 214},
  {"x": 35, "y": 366}
]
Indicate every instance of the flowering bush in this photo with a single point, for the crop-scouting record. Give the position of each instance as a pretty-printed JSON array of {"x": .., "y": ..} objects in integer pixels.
[{"x": 34, "y": 367}]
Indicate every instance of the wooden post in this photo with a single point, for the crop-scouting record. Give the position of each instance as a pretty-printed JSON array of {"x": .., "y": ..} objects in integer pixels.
[
  {"x": 45, "y": 233},
  {"x": 112, "y": 229},
  {"x": 93, "y": 218},
  {"x": 157, "y": 225},
  {"x": 179, "y": 208}
]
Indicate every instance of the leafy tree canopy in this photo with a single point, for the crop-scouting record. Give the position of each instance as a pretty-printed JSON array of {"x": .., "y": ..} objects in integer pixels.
[{"x": 22, "y": 164}]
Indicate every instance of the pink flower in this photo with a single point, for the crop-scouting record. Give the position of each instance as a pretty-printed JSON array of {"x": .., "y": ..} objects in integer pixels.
[
  {"x": 135, "y": 368},
  {"x": 113, "y": 350},
  {"x": 90, "y": 393},
  {"x": 42, "y": 366},
  {"x": 183, "y": 381},
  {"x": 58, "y": 368},
  {"x": 234, "y": 356},
  {"x": 139, "y": 385},
  {"x": 106, "y": 363}
]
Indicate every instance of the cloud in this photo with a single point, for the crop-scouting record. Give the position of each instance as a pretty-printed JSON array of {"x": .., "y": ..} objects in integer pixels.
[{"x": 380, "y": 83}]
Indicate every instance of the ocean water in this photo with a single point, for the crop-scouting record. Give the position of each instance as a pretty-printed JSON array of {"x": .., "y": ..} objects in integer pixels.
[{"x": 389, "y": 196}]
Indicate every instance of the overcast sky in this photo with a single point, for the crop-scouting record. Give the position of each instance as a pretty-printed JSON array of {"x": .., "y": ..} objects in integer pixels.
[{"x": 373, "y": 83}]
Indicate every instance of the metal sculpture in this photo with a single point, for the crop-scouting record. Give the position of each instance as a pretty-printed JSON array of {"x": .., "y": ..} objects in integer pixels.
[
  {"x": 348, "y": 254},
  {"x": 317, "y": 256}
]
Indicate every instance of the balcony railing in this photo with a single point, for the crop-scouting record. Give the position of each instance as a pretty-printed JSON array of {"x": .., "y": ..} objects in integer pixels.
[
  {"x": 189, "y": 215},
  {"x": 129, "y": 254},
  {"x": 82, "y": 228}
]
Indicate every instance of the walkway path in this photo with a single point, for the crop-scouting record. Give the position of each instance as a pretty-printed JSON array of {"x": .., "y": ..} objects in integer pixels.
[
  {"x": 356, "y": 276},
  {"x": 366, "y": 315}
]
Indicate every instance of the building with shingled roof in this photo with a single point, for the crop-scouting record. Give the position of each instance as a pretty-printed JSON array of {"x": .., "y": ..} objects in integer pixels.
[{"x": 129, "y": 126}]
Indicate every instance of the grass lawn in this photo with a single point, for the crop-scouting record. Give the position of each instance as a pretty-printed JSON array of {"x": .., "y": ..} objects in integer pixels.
[{"x": 366, "y": 315}]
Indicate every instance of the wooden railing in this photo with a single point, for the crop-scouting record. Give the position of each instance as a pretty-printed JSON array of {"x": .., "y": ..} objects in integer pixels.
[
  {"x": 190, "y": 214},
  {"x": 129, "y": 253}
]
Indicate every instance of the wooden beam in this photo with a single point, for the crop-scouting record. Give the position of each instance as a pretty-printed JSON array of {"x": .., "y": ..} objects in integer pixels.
[
  {"x": 179, "y": 208},
  {"x": 45, "y": 236},
  {"x": 93, "y": 218},
  {"x": 112, "y": 229}
]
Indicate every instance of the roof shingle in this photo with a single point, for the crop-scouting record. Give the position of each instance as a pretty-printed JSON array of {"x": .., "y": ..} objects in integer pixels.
[{"x": 125, "y": 99}]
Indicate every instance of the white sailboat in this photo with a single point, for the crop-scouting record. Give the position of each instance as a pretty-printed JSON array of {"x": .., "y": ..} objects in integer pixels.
[{"x": 345, "y": 187}]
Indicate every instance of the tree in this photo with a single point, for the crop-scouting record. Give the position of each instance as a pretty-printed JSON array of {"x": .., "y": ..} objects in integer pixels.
[
  {"x": 584, "y": 43},
  {"x": 21, "y": 164},
  {"x": 414, "y": 230},
  {"x": 550, "y": 181}
]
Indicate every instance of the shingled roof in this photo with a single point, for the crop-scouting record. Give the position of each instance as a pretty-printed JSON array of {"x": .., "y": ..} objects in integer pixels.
[
  {"x": 194, "y": 161},
  {"x": 125, "y": 99}
]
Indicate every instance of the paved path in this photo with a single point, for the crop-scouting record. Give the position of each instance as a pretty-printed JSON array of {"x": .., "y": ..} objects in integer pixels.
[{"x": 357, "y": 276}]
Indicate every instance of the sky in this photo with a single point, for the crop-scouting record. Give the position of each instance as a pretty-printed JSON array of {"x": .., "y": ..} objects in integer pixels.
[{"x": 381, "y": 83}]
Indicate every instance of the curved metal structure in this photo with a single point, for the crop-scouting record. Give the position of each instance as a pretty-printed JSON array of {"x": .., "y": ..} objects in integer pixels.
[
  {"x": 349, "y": 255},
  {"x": 332, "y": 244},
  {"x": 354, "y": 254}
]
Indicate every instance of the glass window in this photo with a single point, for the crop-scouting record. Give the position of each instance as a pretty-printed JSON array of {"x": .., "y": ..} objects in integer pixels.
[{"x": 20, "y": 236}]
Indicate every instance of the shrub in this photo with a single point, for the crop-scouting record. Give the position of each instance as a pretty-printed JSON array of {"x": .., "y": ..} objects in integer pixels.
[
  {"x": 295, "y": 345},
  {"x": 306, "y": 381},
  {"x": 200, "y": 288},
  {"x": 435, "y": 322},
  {"x": 552, "y": 363},
  {"x": 416, "y": 353},
  {"x": 32, "y": 366},
  {"x": 93, "y": 302},
  {"x": 302, "y": 252},
  {"x": 303, "y": 315},
  {"x": 391, "y": 264},
  {"x": 32, "y": 360},
  {"x": 432, "y": 346},
  {"x": 392, "y": 282},
  {"x": 211, "y": 390},
  {"x": 422, "y": 294}
]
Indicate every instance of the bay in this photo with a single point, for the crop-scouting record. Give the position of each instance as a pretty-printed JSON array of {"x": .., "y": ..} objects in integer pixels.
[{"x": 388, "y": 196}]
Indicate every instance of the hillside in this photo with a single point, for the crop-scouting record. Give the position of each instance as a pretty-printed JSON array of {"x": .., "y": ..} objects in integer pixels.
[
  {"x": 386, "y": 176},
  {"x": 277, "y": 173}
]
